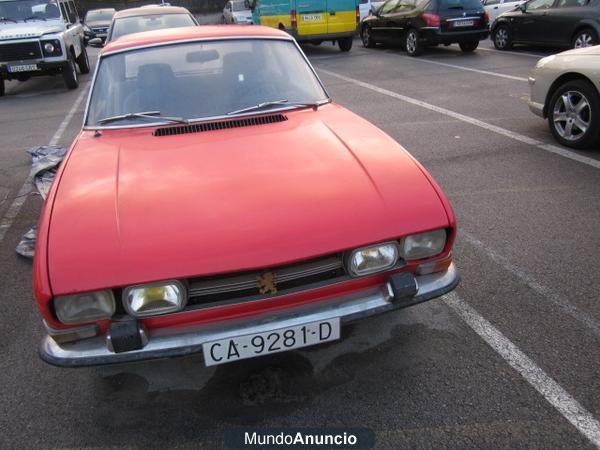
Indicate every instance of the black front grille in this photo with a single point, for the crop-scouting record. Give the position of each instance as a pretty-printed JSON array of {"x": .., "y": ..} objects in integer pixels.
[
  {"x": 221, "y": 125},
  {"x": 249, "y": 286},
  {"x": 20, "y": 51}
]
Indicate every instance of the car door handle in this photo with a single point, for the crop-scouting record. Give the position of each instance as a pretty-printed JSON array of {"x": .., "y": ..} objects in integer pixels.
[{"x": 495, "y": 7}]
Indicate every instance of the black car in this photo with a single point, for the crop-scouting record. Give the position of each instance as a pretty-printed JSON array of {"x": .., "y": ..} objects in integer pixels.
[
  {"x": 417, "y": 24},
  {"x": 97, "y": 22},
  {"x": 555, "y": 23}
]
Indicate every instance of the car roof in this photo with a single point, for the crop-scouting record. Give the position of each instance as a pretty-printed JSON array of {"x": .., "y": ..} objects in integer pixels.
[
  {"x": 101, "y": 9},
  {"x": 169, "y": 35},
  {"x": 150, "y": 11}
]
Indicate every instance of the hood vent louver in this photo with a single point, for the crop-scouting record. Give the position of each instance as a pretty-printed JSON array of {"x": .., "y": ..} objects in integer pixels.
[{"x": 221, "y": 125}]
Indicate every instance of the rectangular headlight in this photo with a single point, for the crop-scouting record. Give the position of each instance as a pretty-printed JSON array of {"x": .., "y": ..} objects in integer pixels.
[
  {"x": 154, "y": 298},
  {"x": 423, "y": 245},
  {"x": 85, "y": 307},
  {"x": 371, "y": 259}
]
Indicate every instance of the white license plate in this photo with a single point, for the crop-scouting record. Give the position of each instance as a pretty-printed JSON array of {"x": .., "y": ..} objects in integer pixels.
[
  {"x": 273, "y": 341},
  {"x": 464, "y": 23},
  {"x": 312, "y": 18},
  {"x": 22, "y": 68}
]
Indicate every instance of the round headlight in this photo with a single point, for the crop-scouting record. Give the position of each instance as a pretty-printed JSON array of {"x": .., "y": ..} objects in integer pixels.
[
  {"x": 154, "y": 298},
  {"x": 423, "y": 245},
  {"x": 374, "y": 258},
  {"x": 86, "y": 307},
  {"x": 48, "y": 47}
]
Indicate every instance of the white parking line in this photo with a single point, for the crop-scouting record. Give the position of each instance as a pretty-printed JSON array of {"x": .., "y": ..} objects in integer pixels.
[
  {"x": 496, "y": 129},
  {"x": 553, "y": 392},
  {"x": 17, "y": 204},
  {"x": 507, "y": 52},
  {"x": 469, "y": 69},
  {"x": 535, "y": 285}
]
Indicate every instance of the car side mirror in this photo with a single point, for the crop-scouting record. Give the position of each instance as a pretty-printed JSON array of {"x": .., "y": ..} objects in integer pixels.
[
  {"x": 95, "y": 42},
  {"x": 523, "y": 7}
]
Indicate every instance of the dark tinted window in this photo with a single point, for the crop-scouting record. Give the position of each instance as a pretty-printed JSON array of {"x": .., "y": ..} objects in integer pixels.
[{"x": 540, "y": 4}]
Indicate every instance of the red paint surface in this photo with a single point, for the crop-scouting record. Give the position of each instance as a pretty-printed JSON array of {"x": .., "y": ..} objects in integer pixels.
[{"x": 128, "y": 207}]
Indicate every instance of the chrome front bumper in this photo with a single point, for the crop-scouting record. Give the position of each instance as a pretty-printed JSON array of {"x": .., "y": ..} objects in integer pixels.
[{"x": 181, "y": 341}]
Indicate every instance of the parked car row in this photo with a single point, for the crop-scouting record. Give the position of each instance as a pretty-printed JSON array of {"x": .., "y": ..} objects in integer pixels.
[{"x": 417, "y": 24}]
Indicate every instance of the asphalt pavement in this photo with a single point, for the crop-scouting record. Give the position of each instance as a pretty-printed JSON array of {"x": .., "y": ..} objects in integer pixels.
[{"x": 510, "y": 359}]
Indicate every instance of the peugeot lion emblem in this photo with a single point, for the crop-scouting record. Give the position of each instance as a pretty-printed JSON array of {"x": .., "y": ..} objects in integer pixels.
[{"x": 266, "y": 283}]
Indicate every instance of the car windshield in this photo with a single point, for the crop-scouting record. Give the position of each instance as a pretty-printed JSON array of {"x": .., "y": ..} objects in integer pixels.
[
  {"x": 97, "y": 16},
  {"x": 29, "y": 10},
  {"x": 202, "y": 79},
  {"x": 238, "y": 6},
  {"x": 137, "y": 24}
]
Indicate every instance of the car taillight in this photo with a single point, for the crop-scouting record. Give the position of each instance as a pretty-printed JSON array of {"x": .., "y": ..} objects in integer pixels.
[
  {"x": 431, "y": 20},
  {"x": 486, "y": 17},
  {"x": 357, "y": 15},
  {"x": 294, "y": 19}
]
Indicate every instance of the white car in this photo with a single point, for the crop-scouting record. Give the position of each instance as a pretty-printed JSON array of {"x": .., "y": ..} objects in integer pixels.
[
  {"x": 235, "y": 11},
  {"x": 367, "y": 6},
  {"x": 565, "y": 89},
  {"x": 41, "y": 37},
  {"x": 496, "y": 7}
]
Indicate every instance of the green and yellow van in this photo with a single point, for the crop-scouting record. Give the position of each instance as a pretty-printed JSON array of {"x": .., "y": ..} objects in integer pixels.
[{"x": 312, "y": 21}]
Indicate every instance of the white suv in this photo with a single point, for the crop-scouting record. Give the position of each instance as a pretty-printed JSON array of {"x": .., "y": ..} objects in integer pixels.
[{"x": 41, "y": 37}]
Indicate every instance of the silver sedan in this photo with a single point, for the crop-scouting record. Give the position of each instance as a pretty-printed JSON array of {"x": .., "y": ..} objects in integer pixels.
[{"x": 565, "y": 90}]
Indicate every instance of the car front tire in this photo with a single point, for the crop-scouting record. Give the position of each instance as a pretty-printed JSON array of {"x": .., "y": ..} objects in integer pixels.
[
  {"x": 585, "y": 38},
  {"x": 413, "y": 45},
  {"x": 366, "y": 37},
  {"x": 70, "y": 74},
  {"x": 345, "y": 44},
  {"x": 502, "y": 37},
  {"x": 574, "y": 114},
  {"x": 83, "y": 61},
  {"x": 469, "y": 46}
]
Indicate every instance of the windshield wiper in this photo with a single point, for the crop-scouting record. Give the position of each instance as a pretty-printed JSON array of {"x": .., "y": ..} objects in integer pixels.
[
  {"x": 274, "y": 103},
  {"x": 34, "y": 18},
  {"x": 7, "y": 19},
  {"x": 143, "y": 115}
]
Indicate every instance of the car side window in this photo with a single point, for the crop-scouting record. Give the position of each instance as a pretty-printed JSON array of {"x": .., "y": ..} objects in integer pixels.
[
  {"x": 64, "y": 12},
  {"x": 540, "y": 4},
  {"x": 404, "y": 5},
  {"x": 491, "y": 2},
  {"x": 571, "y": 3},
  {"x": 389, "y": 6}
]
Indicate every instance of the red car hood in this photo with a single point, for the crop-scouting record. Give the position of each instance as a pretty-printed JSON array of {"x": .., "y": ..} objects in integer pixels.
[{"x": 131, "y": 207}]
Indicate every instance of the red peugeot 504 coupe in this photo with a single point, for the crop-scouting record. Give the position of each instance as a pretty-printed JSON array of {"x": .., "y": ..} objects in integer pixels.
[{"x": 217, "y": 201}]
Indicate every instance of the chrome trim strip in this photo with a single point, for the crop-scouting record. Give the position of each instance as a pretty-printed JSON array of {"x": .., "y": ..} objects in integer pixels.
[
  {"x": 464, "y": 18},
  {"x": 204, "y": 119},
  {"x": 181, "y": 341}
]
